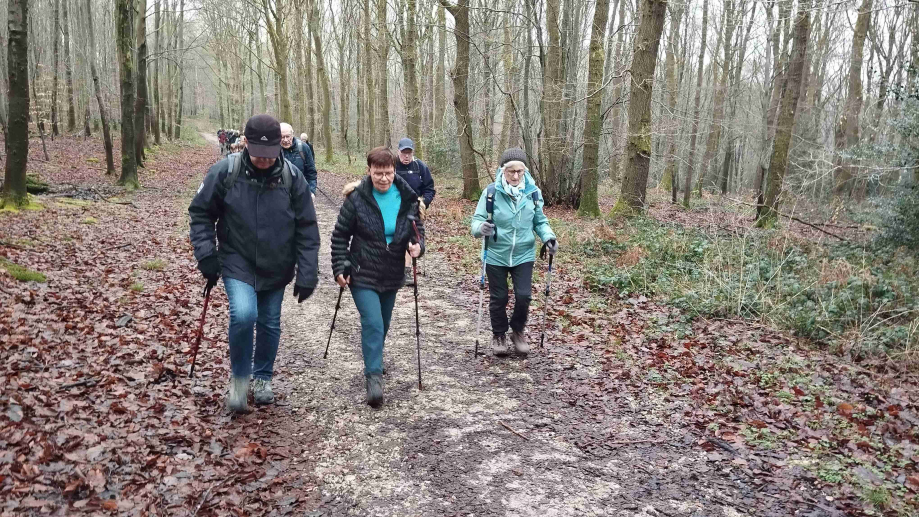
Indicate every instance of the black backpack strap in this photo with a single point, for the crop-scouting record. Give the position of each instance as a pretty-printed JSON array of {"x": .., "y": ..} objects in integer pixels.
[
  {"x": 234, "y": 167},
  {"x": 490, "y": 200},
  {"x": 490, "y": 206},
  {"x": 287, "y": 178}
]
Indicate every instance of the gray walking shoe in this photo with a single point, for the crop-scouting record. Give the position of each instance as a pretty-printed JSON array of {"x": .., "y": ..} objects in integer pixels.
[
  {"x": 375, "y": 390},
  {"x": 237, "y": 399},
  {"x": 261, "y": 391},
  {"x": 520, "y": 342},
  {"x": 499, "y": 345}
]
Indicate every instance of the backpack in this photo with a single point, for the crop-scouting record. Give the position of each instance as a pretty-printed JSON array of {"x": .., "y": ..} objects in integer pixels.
[
  {"x": 236, "y": 165},
  {"x": 303, "y": 155}
]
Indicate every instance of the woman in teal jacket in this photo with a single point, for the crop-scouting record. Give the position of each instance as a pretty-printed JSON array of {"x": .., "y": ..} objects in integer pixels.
[{"x": 511, "y": 246}]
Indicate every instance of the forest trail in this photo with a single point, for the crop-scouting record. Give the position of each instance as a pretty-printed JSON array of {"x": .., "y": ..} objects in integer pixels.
[{"x": 447, "y": 449}]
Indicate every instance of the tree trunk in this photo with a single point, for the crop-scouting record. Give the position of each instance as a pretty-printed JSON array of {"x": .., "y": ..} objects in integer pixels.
[
  {"x": 440, "y": 96},
  {"x": 410, "y": 75},
  {"x": 593, "y": 120},
  {"x": 687, "y": 181},
  {"x": 370, "y": 105},
  {"x": 180, "y": 72},
  {"x": 274, "y": 23},
  {"x": 786, "y": 119},
  {"x": 849, "y": 122},
  {"x": 324, "y": 80},
  {"x": 644, "y": 61},
  {"x": 56, "y": 37},
  {"x": 301, "y": 83},
  {"x": 460, "y": 13},
  {"x": 106, "y": 131},
  {"x": 68, "y": 68},
  {"x": 310, "y": 99},
  {"x": 140, "y": 103},
  {"x": 124, "y": 12},
  {"x": 721, "y": 86},
  {"x": 17, "y": 137},
  {"x": 615, "y": 155},
  {"x": 673, "y": 92},
  {"x": 385, "y": 137},
  {"x": 155, "y": 123}
]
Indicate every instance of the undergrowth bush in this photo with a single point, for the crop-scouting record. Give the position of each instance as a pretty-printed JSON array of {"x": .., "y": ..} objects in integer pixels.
[
  {"x": 866, "y": 300},
  {"x": 900, "y": 219}
]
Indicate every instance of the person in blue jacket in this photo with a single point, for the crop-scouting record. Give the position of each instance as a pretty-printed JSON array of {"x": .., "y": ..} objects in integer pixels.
[
  {"x": 417, "y": 174},
  {"x": 299, "y": 153},
  {"x": 518, "y": 213}
]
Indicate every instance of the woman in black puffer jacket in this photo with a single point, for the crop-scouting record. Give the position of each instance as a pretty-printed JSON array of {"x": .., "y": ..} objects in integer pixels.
[{"x": 373, "y": 232}]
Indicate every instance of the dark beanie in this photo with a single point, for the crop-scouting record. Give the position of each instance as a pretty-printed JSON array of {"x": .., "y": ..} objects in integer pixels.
[{"x": 514, "y": 154}]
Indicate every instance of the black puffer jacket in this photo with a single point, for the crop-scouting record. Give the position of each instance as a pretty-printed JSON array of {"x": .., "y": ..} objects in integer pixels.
[
  {"x": 359, "y": 238},
  {"x": 262, "y": 229}
]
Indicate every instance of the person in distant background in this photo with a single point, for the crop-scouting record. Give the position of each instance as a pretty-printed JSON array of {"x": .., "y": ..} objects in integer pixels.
[
  {"x": 299, "y": 154},
  {"x": 417, "y": 174}
]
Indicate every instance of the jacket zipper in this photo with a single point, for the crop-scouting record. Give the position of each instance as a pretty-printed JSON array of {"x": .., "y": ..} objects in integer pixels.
[{"x": 258, "y": 196}]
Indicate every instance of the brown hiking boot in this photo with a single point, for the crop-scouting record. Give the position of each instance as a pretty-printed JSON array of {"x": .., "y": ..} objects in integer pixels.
[{"x": 520, "y": 342}]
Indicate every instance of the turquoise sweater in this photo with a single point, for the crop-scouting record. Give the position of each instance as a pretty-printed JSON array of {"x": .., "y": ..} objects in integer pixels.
[{"x": 389, "y": 203}]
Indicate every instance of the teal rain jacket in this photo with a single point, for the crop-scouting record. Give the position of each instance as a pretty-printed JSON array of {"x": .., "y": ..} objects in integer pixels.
[{"x": 516, "y": 222}]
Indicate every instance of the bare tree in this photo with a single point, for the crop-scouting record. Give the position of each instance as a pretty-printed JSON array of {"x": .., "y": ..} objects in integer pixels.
[
  {"x": 848, "y": 124},
  {"x": 593, "y": 122},
  {"x": 687, "y": 180},
  {"x": 791, "y": 91},
  {"x": 56, "y": 37},
  {"x": 638, "y": 149},
  {"x": 91, "y": 53},
  {"x": 324, "y": 80},
  {"x": 460, "y": 13},
  {"x": 124, "y": 24},
  {"x": 140, "y": 103},
  {"x": 17, "y": 137},
  {"x": 68, "y": 67}
]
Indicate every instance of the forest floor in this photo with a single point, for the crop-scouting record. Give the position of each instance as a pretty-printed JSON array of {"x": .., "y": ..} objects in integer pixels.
[{"x": 630, "y": 409}]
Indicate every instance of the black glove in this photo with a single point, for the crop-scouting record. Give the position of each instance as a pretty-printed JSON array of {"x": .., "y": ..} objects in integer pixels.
[
  {"x": 302, "y": 293},
  {"x": 210, "y": 268},
  {"x": 552, "y": 246}
]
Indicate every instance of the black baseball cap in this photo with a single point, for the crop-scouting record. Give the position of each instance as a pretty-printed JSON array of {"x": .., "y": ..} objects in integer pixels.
[{"x": 263, "y": 136}]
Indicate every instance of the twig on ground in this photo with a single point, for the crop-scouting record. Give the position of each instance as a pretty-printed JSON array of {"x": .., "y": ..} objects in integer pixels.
[
  {"x": 206, "y": 496},
  {"x": 633, "y": 442},
  {"x": 511, "y": 429},
  {"x": 103, "y": 198},
  {"x": 85, "y": 382}
]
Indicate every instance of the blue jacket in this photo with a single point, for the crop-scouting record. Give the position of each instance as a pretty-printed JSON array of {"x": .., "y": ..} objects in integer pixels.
[
  {"x": 304, "y": 162},
  {"x": 515, "y": 222},
  {"x": 418, "y": 176}
]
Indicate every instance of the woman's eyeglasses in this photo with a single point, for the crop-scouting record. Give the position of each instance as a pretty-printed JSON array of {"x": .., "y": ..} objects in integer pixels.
[{"x": 383, "y": 175}]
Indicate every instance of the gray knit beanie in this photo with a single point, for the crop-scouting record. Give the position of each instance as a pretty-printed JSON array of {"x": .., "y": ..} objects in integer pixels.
[{"x": 514, "y": 154}]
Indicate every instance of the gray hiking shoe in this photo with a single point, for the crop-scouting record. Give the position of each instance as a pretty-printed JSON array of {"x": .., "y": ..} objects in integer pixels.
[
  {"x": 499, "y": 345},
  {"x": 375, "y": 390},
  {"x": 520, "y": 342},
  {"x": 237, "y": 399},
  {"x": 261, "y": 391}
]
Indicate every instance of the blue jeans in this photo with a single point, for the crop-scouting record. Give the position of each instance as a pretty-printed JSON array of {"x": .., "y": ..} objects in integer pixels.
[
  {"x": 253, "y": 309},
  {"x": 376, "y": 312}
]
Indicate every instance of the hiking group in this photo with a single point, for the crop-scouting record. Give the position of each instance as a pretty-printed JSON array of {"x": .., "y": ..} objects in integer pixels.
[{"x": 253, "y": 222}]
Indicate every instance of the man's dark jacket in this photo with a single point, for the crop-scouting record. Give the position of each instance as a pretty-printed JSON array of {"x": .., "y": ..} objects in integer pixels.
[
  {"x": 359, "y": 238},
  {"x": 418, "y": 176},
  {"x": 307, "y": 167},
  {"x": 262, "y": 229}
]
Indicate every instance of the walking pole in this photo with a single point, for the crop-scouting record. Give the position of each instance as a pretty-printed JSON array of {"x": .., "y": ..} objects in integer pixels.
[
  {"x": 207, "y": 299},
  {"x": 332, "y": 327},
  {"x": 478, "y": 322},
  {"x": 341, "y": 290},
  {"x": 417, "y": 323},
  {"x": 545, "y": 308}
]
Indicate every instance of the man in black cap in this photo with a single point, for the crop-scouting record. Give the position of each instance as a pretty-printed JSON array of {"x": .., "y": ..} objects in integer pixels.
[
  {"x": 253, "y": 221},
  {"x": 418, "y": 176}
]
